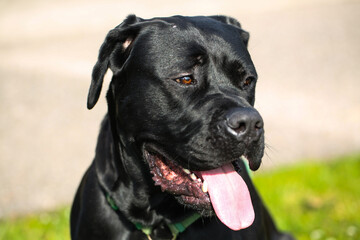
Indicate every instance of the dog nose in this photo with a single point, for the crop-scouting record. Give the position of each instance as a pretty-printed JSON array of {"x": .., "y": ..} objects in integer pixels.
[{"x": 245, "y": 124}]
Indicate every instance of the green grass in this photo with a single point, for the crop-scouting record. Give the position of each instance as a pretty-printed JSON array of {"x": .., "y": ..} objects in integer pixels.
[
  {"x": 313, "y": 200},
  {"x": 41, "y": 226}
]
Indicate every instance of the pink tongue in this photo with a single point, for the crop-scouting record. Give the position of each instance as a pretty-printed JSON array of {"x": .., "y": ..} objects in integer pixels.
[{"x": 230, "y": 197}]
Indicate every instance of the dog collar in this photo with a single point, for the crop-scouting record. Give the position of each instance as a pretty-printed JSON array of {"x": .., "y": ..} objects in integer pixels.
[{"x": 175, "y": 228}]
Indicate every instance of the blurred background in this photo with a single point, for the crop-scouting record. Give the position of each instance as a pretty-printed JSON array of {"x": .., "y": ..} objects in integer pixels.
[{"x": 306, "y": 52}]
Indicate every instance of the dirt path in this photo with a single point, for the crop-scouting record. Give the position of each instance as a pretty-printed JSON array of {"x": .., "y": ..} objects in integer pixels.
[{"x": 307, "y": 54}]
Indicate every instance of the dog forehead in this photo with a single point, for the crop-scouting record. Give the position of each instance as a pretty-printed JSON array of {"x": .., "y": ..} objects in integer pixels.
[
  {"x": 184, "y": 29},
  {"x": 183, "y": 38}
]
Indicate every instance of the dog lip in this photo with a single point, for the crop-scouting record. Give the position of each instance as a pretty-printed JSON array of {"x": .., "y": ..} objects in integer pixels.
[
  {"x": 174, "y": 179},
  {"x": 150, "y": 148},
  {"x": 253, "y": 164},
  {"x": 155, "y": 149},
  {"x": 151, "y": 152}
]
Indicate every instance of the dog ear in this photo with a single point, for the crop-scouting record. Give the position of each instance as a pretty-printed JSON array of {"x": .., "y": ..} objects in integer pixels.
[
  {"x": 232, "y": 21},
  {"x": 119, "y": 37}
]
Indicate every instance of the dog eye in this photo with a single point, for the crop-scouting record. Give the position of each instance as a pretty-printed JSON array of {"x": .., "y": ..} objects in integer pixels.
[
  {"x": 247, "y": 82},
  {"x": 186, "y": 80}
]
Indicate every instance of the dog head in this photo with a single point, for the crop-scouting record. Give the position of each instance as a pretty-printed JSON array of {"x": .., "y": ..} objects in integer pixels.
[{"x": 181, "y": 97}]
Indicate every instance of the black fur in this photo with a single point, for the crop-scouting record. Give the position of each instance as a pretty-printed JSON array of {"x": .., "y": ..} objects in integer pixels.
[{"x": 149, "y": 109}]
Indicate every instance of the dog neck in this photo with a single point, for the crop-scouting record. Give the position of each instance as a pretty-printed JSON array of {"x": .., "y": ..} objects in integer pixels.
[
  {"x": 146, "y": 206},
  {"x": 175, "y": 227}
]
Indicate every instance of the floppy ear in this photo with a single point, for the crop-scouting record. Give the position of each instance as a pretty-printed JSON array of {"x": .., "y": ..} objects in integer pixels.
[
  {"x": 119, "y": 37},
  {"x": 232, "y": 21}
]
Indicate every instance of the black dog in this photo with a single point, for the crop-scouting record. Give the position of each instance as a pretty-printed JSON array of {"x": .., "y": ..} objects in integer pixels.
[{"x": 169, "y": 159}]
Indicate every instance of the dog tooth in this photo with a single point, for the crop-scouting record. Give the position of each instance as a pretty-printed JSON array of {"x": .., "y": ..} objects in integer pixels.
[
  {"x": 187, "y": 171},
  {"x": 193, "y": 176},
  {"x": 204, "y": 187}
]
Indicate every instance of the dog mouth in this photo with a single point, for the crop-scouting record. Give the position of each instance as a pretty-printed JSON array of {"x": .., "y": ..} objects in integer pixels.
[
  {"x": 178, "y": 181},
  {"x": 221, "y": 190}
]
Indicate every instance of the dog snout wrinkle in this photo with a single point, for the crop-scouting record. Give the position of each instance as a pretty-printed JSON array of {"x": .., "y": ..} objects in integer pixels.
[{"x": 245, "y": 124}]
